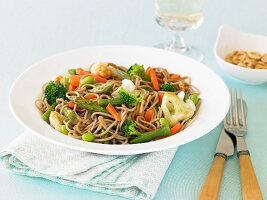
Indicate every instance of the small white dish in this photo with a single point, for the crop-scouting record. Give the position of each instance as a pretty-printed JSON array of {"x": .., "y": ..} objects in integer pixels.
[
  {"x": 213, "y": 93},
  {"x": 230, "y": 39}
]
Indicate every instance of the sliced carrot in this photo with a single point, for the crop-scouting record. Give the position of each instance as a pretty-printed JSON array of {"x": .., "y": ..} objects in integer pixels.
[
  {"x": 80, "y": 71},
  {"x": 75, "y": 80},
  {"x": 148, "y": 114},
  {"x": 113, "y": 112},
  {"x": 100, "y": 79},
  {"x": 176, "y": 128},
  {"x": 72, "y": 87},
  {"x": 72, "y": 105},
  {"x": 175, "y": 77},
  {"x": 153, "y": 78},
  {"x": 90, "y": 96},
  {"x": 160, "y": 96}
]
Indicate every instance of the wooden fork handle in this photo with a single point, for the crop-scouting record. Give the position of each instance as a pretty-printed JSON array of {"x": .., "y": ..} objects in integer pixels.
[
  {"x": 211, "y": 187},
  {"x": 249, "y": 182}
]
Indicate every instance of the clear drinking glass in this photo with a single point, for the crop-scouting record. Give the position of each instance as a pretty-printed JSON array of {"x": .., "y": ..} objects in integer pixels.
[{"x": 178, "y": 16}]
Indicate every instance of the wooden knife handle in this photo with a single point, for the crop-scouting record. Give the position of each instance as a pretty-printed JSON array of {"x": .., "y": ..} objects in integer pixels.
[
  {"x": 211, "y": 187},
  {"x": 250, "y": 185}
]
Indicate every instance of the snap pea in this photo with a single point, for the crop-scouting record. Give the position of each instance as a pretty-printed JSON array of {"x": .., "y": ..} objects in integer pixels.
[
  {"x": 146, "y": 137},
  {"x": 46, "y": 114}
]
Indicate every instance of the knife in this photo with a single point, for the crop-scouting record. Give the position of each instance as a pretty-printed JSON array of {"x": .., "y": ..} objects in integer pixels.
[{"x": 211, "y": 187}]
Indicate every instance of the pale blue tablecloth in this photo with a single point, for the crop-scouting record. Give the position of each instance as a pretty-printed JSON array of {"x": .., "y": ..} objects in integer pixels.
[{"x": 32, "y": 30}]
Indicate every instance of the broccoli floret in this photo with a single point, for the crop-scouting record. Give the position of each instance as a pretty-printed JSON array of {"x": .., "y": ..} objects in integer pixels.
[
  {"x": 53, "y": 91},
  {"x": 129, "y": 128},
  {"x": 129, "y": 99},
  {"x": 138, "y": 70},
  {"x": 168, "y": 87}
]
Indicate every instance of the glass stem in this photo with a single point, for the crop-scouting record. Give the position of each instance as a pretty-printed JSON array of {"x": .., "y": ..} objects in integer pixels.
[{"x": 177, "y": 42}]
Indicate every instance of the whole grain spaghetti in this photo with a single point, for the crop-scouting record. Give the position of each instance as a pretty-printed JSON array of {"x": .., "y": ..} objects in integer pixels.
[{"x": 111, "y": 104}]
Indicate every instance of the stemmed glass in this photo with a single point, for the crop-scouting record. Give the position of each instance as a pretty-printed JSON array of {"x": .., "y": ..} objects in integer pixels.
[{"x": 178, "y": 16}]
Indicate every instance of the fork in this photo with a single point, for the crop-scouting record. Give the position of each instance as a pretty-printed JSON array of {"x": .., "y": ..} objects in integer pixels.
[{"x": 235, "y": 123}]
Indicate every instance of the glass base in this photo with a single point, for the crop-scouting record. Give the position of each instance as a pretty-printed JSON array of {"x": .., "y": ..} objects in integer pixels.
[{"x": 189, "y": 51}]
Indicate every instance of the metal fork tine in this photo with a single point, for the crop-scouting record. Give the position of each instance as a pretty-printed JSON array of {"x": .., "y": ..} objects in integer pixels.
[
  {"x": 231, "y": 109},
  {"x": 235, "y": 108},
  {"x": 243, "y": 115}
]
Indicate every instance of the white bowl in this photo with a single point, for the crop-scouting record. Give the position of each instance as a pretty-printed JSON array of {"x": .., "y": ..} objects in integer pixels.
[
  {"x": 230, "y": 39},
  {"x": 214, "y": 106}
]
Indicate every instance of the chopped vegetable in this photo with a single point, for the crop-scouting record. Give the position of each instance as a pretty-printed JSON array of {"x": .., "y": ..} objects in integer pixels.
[
  {"x": 87, "y": 80},
  {"x": 88, "y": 137},
  {"x": 56, "y": 120},
  {"x": 146, "y": 137},
  {"x": 90, "y": 105},
  {"x": 129, "y": 99},
  {"x": 168, "y": 87},
  {"x": 90, "y": 96},
  {"x": 139, "y": 71},
  {"x": 100, "y": 79},
  {"x": 176, "y": 128},
  {"x": 113, "y": 112},
  {"x": 103, "y": 88},
  {"x": 81, "y": 71},
  {"x": 153, "y": 78},
  {"x": 72, "y": 88},
  {"x": 164, "y": 122},
  {"x": 175, "y": 77},
  {"x": 129, "y": 128},
  {"x": 128, "y": 85},
  {"x": 69, "y": 113},
  {"x": 160, "y": 96},
  {"x": 67, "y": 82},
  {"x": 105, "y": 102},
  {"x": 75, "y": 80},
  {"x": 176, "y": 110},
  {"x": 46, "y": 114},
  {"x": 72, "y": 71},
  {"x": 64, "y": 130},
  {"x": 118, "y": 73},
  {"x": 53, "y": 91},
  {"x": 194, "y": 98},
  {"x": 72, "y": 105},
  {"x": 149, "y": 114}
]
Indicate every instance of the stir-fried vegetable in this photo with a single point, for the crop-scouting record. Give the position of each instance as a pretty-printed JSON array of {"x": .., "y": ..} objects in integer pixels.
[
  {"x": 69, "y": 113},
  {"x": 168, "y": 87},
  {"x": 46, "y": 114},
  {"x": 103, "y": 88},
  {"x": 118, "y": 73},
  {"x": 176, "y": 110},
  {"x": 87, "y": 80},
  {"x": 129, "y": 129},
  {"x": 89, "y": 105},
  {"x": 53, "y": 91},
  {"x": 138, "y": 70},
  {"x": 153, "y": 78},
  {"x": 88, "y": 137},
  {"x": 146, "y": 137},
  {"x": 113, "y": 112},
  {"x": 56, "y": 120},
  {"x": 105, "y": 102},
  {"x": 129, "y": 99}
]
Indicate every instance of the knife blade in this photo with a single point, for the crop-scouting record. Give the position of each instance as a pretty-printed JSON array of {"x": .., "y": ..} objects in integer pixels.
[{"x": 225, "y": 145}]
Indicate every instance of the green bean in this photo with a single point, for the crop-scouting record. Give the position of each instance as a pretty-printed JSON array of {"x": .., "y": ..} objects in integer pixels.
[
  {"x": 46, "y": 114},
  {"x": 105, "y": 102},
  {"x": 146, "y": 137}
]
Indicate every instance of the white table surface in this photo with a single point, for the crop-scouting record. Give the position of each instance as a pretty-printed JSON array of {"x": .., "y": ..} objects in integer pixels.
[{"x": 32, "y": 30}]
